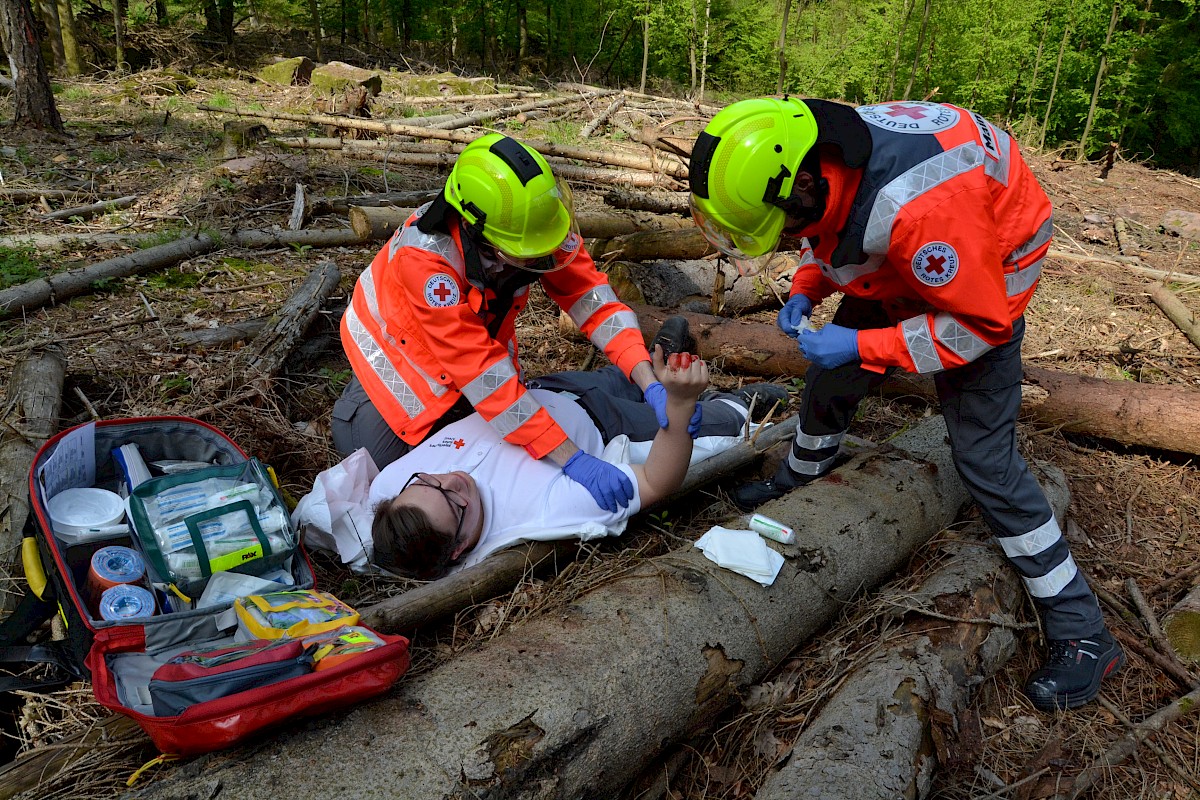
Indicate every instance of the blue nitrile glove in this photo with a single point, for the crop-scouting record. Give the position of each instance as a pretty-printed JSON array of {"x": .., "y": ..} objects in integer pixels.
[
  {"x": 795, "y": 309},
  {"x": 656, "y": 398},
  {"x": 831, "y": 346},
  {"x": 610, "y": 487}
]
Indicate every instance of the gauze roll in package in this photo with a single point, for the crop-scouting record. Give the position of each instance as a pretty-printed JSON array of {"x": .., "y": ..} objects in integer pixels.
[{"x": 112, "y": 566}]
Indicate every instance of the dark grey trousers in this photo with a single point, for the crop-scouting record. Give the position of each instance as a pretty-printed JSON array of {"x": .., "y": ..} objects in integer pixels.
[
  {"x": 980, "y": 402},
  {"x": 613, "y": 402}
]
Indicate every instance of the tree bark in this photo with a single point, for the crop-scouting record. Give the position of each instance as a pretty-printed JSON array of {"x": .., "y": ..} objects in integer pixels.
[
  {"x": 920, "y": 683},
  {"x": 1062, "y": 46},
  {"x": 481, "y": 117},
  {"x": 30, "y": 417},
  {"x": 89, "y": 211},
  {"x": 258, "y": 363},
  {"x": 33, "y": 99},
  {"x": 380, "y": 223},
  {"x": 578, "y": 702},
  {"x": 66, "y": 27},
  {"x": 1091, "y": 115},
  {"x": 1182, "y": 627},
  {"x": 49, "y": 9},
  {"x": 649, "y": 245},
  {"x": 204, "y": 338},
  {"x": 602, "y": 118},
  {"x": 704, "y": 286},
  {"x": 1185, "y": 320},
  {"x": 562, "y": 168},
  {"x": 673, "y": 203},
  {"x": 780, "y": 48},
  {"x": 119, "y": 35},
  {"x": 912, "y": 76},
  {"x": 1146, "y": 415},
  {"x": 645, "y": 46},
  {"x": 460, "y": 140}
]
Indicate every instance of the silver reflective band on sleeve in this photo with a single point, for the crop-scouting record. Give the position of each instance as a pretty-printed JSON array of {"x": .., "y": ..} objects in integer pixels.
[
  {"x": 918, "y": 180},
  {"x": 382, "y": 368},
  {"x": 810, "y": 467},
  {"x": 960, "y": 341},
  {"x": 485, "y": 383},
  {"x": 1053, "y": 582},
  {"x": 920, "y": 345},
  {"x": 1044, "y": 234},
  {"x": 1016, "y": 283},
  {"x": 608, "y": 330},
  {"x": 847, "y": 273},
  {"x": 516, "y": 415},
  {"x": 809, "y": 442},
  {"x": 440, "y": 244},
  {"x": 1036, "y": 541},
  {"x": 590, "y": 303},
  {"x": 367, "y": 281},
  {"x": 998, "y": 170}
]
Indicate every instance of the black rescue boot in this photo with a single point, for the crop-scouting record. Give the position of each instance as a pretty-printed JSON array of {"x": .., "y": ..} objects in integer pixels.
[
  {"x": 1072, "y": 673},
  {"x": 749, "y": 496},
  {"x": 763, "y": 397},
  {"x": 674, "y": 337}
]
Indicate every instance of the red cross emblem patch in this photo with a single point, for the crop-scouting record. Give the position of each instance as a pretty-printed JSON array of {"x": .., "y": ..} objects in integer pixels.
[
  {"x": 910, "y": 116},
  {"x": 935, "y": 264},
  {"x": 441, "y": 291}
]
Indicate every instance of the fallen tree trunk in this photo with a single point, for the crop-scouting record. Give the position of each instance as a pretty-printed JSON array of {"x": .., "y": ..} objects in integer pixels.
[
  {"x": 31, "y": 405},
  {"x": 98, "y": 745},
  {"x": 480, "y": 117},
  {"x": 705, "y": 286},
  {"x": 1130, "y": 413},
  {"x": 559, "y": 151},
  {"x": 89, "y": 211},
  {"x": 1182, "y": 627},
  {"x": 685, "y": 243},
  {"x": 60, "y": 241},
  {"x": 218, "y": 337},
  {"x": 501, "y": 572},
  {"x": 257, "y": 364},
  {"x": 1177, "y": 312},
  {"x": 449, "y": 99},
  {"x": 959, "y": 631},
  {"x": 32, "y": 195},
  {"x": 380, "y": 223},
  {"x": 673, "y": 203},
  {"x": 576, "y": 703},
  {"x": 601, "y": 118},
  {"x": 39, "y": 292},
  {"x": 342, "y": 205}
]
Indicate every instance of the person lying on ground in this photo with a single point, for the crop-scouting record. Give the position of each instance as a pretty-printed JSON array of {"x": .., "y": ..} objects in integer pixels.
[{"x": 465, "y": 493}]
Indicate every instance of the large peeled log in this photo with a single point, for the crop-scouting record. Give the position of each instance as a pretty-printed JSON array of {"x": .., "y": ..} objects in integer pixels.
[{"x": 577, "y": 702}]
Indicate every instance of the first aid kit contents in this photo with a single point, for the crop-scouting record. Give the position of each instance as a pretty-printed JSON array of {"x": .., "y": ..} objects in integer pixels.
[
  {"x": 125, "y": 602},
  {"x": 131, "y": 581},
  {"x": 211, "y": 520},
  {"x": 86, "y": 514},
  {"x": 110, "y": 566},
  {"x": 772, "y": 529},
  {"x": 208, "y": 673},
  {"x": 295, "y": 613}
]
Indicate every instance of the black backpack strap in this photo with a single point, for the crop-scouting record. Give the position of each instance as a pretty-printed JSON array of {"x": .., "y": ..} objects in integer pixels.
[
  {"x": 26, "y": 618},
  {"x": 22, "y": 656}
]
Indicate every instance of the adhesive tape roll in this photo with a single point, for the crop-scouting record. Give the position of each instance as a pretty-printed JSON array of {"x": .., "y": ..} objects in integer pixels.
[
  {"x": 112, "y": 566},
  {"x": 126, "y": 602}
]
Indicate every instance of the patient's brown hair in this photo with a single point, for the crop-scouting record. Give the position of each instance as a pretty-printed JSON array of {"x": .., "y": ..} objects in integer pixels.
[{"x": 407, "y": 543}]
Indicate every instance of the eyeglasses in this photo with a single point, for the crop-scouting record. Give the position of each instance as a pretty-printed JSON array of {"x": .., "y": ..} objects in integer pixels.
[{"x": 458, "y": 503}]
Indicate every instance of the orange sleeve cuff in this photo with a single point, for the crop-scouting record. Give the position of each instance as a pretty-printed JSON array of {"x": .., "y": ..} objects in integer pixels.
[
  {"x": 883, "y": 347},
  {"x": 545, "y": 432}
]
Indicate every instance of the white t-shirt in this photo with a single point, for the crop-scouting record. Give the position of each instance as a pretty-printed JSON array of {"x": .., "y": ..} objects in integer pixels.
[{"x": 524, "y": 499}]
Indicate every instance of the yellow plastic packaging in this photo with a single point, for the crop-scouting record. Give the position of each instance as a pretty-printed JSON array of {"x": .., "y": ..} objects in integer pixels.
[{"x": 302, "y": 612}]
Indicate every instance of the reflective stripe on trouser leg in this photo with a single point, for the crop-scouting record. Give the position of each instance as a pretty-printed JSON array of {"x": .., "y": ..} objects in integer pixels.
[
  {"x": 812, "y": 456},
  {"x": 980, "y": 402}
]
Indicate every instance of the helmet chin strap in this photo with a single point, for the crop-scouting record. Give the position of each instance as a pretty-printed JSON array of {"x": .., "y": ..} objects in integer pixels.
[{"x": 800, "y": 212}]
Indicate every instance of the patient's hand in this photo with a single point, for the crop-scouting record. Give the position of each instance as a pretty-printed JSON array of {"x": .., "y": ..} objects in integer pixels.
[{"x": 684, "y": 376}]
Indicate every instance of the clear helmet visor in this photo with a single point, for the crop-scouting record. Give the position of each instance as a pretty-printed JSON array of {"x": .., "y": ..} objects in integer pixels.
[{"x": 733, "y": 245}]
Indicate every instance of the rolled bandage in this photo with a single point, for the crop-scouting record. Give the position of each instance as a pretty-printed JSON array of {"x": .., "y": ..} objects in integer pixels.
[
  {"x": 126, "y": 602},
  {"x": 772, "y": 529}
]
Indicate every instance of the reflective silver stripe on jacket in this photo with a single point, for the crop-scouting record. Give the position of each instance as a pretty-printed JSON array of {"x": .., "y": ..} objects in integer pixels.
[
  {"x": 910, "y": 185},
  {"x": 516, "y": 415},
  {"x": 1054, "y": 581},
  {"x": 487, "y": 382},
  {"x": 921, "y": 349},
  {"x": 810, "y": 467},
  {"x": 1038, "y": 540},
  {"x": 382, "y": 368},
  {"x": 848, "y": 273},
  {"x": 960, "y": 341},
  {"x": 998, "y": 170},
  {"x": 440, "y": 244},
  {"x": 608, "y": 330},
  {"x": 367, "y": 283},
  {"x": 1018, "y": 282},
  {"x": 809, "y": 442},
  {"x": 591, "y": 302}
]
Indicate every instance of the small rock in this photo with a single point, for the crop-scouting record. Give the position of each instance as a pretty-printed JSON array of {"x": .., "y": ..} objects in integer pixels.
[{"x": 1178, "y": 222}]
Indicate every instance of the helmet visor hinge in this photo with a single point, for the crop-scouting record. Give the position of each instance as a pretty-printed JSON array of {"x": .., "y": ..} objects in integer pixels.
[
  {"x": 476, "y": 227},
  {"x": 773, "y": 195}
]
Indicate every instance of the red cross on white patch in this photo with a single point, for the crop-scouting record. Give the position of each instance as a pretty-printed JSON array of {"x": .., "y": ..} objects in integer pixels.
[
  {"x": 935, "y": 264},
  {"x": 910, "y": 117},
  {"x": 441, "y": 291}
]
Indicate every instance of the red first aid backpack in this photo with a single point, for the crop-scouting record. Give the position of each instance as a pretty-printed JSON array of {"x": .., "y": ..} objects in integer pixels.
[{"x": 160, "y": 670}]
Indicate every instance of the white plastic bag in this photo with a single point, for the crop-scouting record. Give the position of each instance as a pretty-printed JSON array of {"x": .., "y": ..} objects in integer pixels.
[{"x": 336, "y": 516}]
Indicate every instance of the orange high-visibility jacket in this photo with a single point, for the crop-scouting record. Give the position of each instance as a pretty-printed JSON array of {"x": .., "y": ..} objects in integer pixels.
[
  {"x": 947, "y": 226},
  {"x": 416, "y": 334}
]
